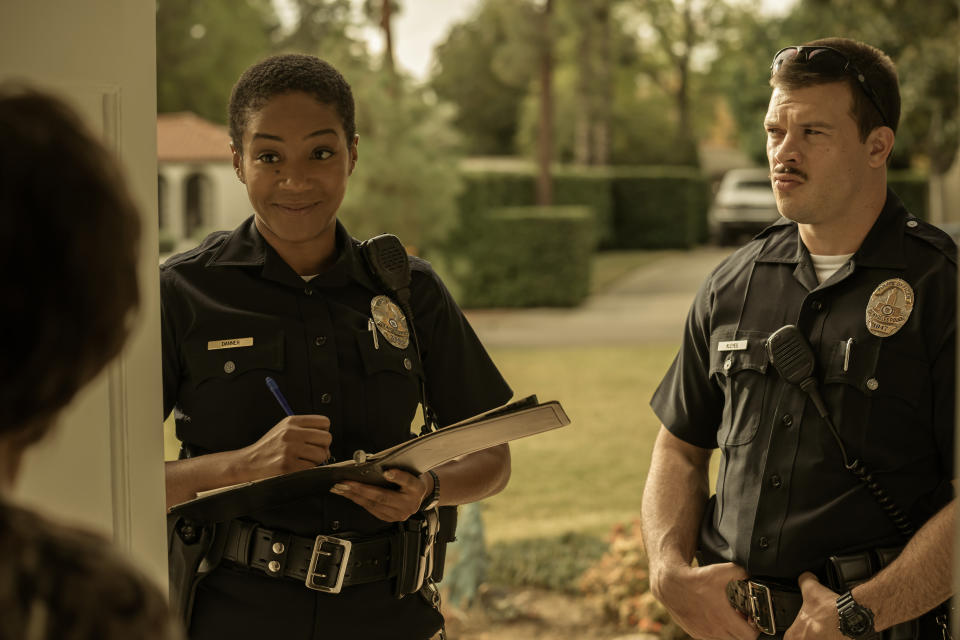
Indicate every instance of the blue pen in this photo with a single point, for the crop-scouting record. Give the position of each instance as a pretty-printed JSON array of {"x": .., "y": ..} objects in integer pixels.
[{"x": 275, "y": 390}]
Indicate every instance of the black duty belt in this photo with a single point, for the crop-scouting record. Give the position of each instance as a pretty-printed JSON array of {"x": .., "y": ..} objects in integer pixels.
[
  {"x": 323, "y": 563},
  {"x": 772, "y": 607}
]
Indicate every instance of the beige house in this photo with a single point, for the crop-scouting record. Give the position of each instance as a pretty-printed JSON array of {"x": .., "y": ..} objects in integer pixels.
[{"x": 198, "y": 191}]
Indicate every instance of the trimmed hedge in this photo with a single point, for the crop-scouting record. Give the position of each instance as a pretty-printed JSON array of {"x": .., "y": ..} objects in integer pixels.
[
  {"x": 526, "y": 256},
  {"x": 659, "y": 207},
  {"x": 913, "y": 190},
  {"x": 635, "y": 207},
  {"x": 485, "y": 190}
]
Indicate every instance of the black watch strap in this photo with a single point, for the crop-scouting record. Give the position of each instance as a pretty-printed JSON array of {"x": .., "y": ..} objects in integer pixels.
[
  {"x": 854, "y": 619},
  {"x": 433, "y": 498}
]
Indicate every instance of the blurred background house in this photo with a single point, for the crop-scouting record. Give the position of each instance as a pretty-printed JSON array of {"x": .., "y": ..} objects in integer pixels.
[{"x": 197, "y": 187}]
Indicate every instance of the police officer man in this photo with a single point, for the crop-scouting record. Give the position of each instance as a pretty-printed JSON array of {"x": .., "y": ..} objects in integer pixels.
[
  {"x": 289, "y": 295},
  {"x": 872, "y": 290}
]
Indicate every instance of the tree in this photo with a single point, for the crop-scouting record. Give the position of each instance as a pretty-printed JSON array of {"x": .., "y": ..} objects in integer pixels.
[
  {"x": 925, "y": 45},
  {"x": 485, "y": 68},
  {"x": 380, "y": 13},
  {"x": 407, "y": 179},
  {"x": 203, "y": 47},
  {"x": 594, "y": 82},
  {"x": 545, "y": 128}
]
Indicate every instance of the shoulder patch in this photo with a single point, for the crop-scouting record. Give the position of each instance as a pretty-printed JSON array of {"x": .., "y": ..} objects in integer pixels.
[{"x": 932, "y": 235}]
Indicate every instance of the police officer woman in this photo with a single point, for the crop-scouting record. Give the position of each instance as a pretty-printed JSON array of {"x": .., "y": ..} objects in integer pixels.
[{"x": 287, "y": 294}]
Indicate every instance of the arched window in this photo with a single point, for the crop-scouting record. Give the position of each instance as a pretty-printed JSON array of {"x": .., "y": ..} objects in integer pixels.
[
  {"x": 197, "y": 210},
  {"x": 162, "y": 202}
]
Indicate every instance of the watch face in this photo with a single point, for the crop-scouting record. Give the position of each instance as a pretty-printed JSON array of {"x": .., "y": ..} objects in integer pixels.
[{"x": 857, "y": 623}]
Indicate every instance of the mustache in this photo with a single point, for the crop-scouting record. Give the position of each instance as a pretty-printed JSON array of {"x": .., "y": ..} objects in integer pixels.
[{"x": 781, "y": 170}]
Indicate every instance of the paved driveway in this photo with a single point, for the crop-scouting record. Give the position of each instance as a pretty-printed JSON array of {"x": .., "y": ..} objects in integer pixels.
[{"x": 646, "y": 306}]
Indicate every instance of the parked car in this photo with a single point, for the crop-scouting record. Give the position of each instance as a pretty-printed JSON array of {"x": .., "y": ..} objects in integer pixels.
[{"x": 744, "y": 204}]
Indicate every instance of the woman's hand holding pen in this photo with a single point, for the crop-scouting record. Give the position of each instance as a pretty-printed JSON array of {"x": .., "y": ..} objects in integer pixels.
[
  {"x": 390, "y": 505},
  {"x": 293, "y": 444}
]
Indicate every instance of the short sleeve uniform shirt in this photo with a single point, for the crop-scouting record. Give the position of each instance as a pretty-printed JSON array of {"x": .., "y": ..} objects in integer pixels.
[
  {"x": 233, "y": 313},
  {"x": 784, "y": 501}
]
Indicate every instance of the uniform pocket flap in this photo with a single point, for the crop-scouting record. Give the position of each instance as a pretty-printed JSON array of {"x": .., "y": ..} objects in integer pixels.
[
  {"x": 204, "y": 361},
  {"x": 383, "y": 356},
  {"x": 731, "y": 352}
]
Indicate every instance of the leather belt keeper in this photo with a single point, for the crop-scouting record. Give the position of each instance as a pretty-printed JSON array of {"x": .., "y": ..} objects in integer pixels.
[
  {"x": 771, "y": 607},
  {"x": 323, "y": 563}
]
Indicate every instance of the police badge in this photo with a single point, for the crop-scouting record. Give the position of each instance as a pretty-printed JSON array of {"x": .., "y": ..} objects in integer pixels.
[
  {"x": 889, "y": 307},
  {"x": 390, "y": 321}
]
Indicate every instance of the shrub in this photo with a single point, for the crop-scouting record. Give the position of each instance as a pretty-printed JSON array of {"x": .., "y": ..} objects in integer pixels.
[
  {"x": 620, "y": 580},
  {"x": 659, "y": 207},
  {"x": 527, "y": 256},
  {"x": 488, "y": 188},
  {"x": 913, "y": 191},
  {"x": 555, "y": 563}
]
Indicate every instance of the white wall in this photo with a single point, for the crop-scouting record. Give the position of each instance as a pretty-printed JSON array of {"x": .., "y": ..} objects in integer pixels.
[
  {"x": 104, "y": 465},
  {"x": 228, "y": 202}
]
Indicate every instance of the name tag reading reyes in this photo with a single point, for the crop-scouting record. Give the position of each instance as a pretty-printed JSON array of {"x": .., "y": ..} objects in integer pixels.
[
  {"x": 732, "y": 345},
  {"x": 231, "y": 343}
]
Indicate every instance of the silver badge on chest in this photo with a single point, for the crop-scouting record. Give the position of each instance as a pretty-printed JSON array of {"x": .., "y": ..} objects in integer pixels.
[
  {"x": 889, "y": 307},
  {"x": 390, "y": 321}
]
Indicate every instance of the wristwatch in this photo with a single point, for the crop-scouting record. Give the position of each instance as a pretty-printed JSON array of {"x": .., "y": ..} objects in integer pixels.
[
  {"x": 433, "y": 499},
  {"x": 855, "y": 620}
]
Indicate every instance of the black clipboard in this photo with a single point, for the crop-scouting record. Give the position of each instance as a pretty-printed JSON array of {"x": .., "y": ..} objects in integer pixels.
[{"x": 519, "y": 419}]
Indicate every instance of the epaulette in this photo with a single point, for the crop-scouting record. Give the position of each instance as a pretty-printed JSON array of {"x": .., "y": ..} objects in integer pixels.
[
  {"x": 932, "y": 235},
  {"x": 205, "y": 245}
]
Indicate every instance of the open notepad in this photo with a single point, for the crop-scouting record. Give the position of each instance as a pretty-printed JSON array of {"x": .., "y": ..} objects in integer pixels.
[{"x": 519, "y": 419}]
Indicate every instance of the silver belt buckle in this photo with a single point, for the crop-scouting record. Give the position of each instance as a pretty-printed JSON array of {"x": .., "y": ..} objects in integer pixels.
[
  {"x": 759, "y": 596},
  {"x": 322, "y": 555}
]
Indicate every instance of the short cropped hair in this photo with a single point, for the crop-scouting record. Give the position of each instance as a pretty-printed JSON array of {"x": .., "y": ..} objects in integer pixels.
[
  {"x": 877, "y": 68},
  {"x": 287, "y": 73},
  {"x": 69, "y": 234}
]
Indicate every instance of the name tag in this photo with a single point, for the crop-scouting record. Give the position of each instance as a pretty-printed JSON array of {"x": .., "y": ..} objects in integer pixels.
[
  {"x": 732, "y": 345},
  {"x": 231, "y": 343}
]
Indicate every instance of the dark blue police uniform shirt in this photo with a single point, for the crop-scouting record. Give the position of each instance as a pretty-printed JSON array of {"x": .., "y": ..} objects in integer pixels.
[
  {"x": 784, "y": 501},
  {"x": 314, "y": 340}
]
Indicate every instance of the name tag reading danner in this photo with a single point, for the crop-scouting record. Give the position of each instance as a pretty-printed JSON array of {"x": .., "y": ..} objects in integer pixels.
[
  {"x": 231, "y": 343},
  {"x": 732, "y": 345}
]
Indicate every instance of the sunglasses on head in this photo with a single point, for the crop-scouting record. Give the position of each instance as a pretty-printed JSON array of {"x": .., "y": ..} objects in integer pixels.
[{"x": 828, "y": 61}]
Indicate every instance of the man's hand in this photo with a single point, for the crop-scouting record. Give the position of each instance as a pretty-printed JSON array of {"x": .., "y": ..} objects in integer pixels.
[
  {"x": 818, "y": 615},
  {"x": 390, "y": 505},
  {"x": 293, "y": 444},
  {"x": 696, "y": 598}
]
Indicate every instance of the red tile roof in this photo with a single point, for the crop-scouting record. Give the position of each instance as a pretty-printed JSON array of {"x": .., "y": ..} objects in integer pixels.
[{"x": 186, "y": 137}]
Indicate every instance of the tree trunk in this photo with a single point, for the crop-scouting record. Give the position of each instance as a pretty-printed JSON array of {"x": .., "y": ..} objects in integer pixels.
[
  {"x": 545, "y": 130},
  {"x": 583, "y": 132},
  {"x": 603, "y": 93},
  {"x": 387, "y": 37}
]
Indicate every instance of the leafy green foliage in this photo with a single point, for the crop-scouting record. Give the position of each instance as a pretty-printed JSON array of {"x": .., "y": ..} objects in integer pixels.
[
  {"x": 406, "y": 181},
  {"x": 912, "y": 189},
  {"x": 203, "y": 47},
  {"x": 659, "y": 207},
  {"x": 555, "y": 563},
  {"x": 488, "y": 188},
  {"x": 620, "y": 580},
  {"x": 526, "y": 256},
  {"x": 924, "y": 44},
  {"x": 484, "y": 68}
]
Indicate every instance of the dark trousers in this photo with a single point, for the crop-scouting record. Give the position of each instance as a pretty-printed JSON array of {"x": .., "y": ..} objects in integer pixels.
[{"x": 242, "y": 604}]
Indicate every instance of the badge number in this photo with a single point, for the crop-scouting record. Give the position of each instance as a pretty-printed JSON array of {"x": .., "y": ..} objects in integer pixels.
[{"x": 889, "y": 307}]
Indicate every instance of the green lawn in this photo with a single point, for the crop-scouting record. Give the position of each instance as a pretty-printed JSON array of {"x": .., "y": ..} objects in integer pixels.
[{"x": 589, "y": 475}]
